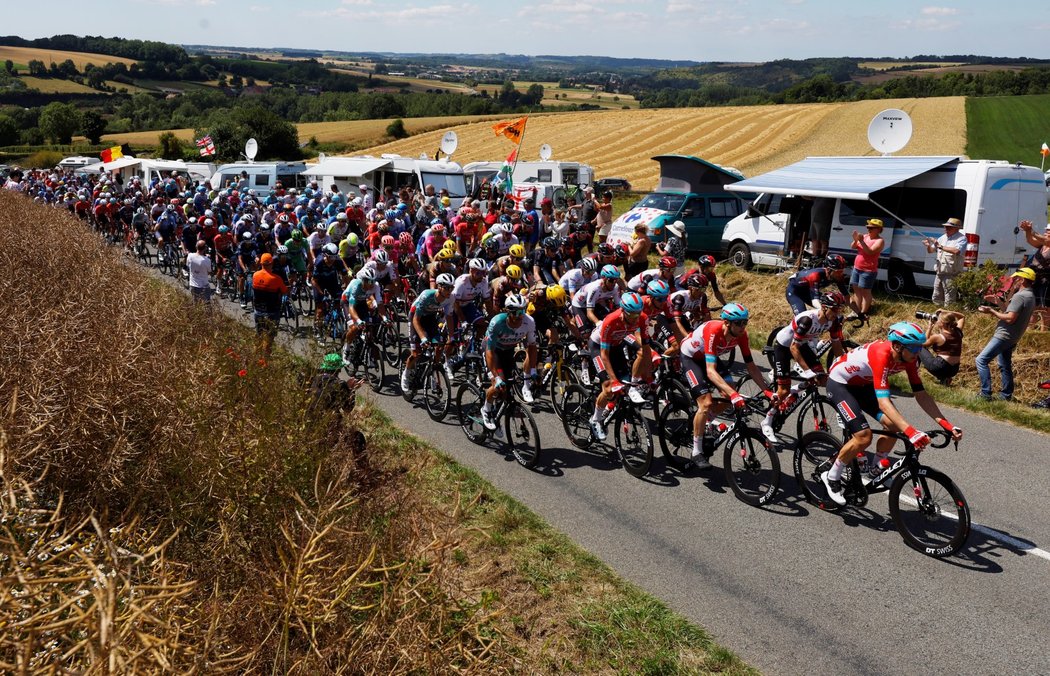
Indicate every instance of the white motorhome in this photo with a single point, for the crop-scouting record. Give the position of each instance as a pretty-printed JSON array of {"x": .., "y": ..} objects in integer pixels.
[
  {"x": 259, "y": 176},
  {"x": 912, "y": 195},
  {"x": 77, "y": 162},
  {"x": 391, "y": 171},
  {"x": 531, "y": 179}
]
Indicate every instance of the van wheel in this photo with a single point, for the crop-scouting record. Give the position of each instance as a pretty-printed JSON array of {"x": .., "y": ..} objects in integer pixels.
[
  {"x": 899, "y": 280},
  {"x": 740, "y": 255}
]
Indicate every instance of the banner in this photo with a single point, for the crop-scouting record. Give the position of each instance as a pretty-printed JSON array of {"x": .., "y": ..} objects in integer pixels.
[
  {"x": 514, "y": 130},
  {"x": 110, "y": 154},
  {"x": 206, "y": 146},
  {"x": 505, "y": 178}
]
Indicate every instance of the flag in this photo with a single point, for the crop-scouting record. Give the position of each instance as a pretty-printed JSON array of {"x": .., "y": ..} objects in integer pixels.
[
  {"x": 206, "y": 146},
  {"x": 1045, "y": 150},
  {"x": 505, "y": 178},
  {"x": 110, "y": 154},
  {"x": 514, "y": 130}
]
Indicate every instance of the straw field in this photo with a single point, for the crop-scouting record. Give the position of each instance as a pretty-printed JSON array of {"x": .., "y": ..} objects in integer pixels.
[{"x": 23, "y": 55}]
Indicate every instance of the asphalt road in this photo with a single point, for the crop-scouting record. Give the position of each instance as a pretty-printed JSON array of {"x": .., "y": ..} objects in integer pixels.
[{"x": 789, "y": 588}]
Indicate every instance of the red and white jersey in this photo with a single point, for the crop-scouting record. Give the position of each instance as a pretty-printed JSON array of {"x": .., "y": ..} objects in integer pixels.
[
  {"x": 681, "y": 303},
  {"x": 872, "y": 365},
  {"x": 712, "y": 341},
  {"x": 613, "y": 330},
  {"x": 806, "y": 327}
]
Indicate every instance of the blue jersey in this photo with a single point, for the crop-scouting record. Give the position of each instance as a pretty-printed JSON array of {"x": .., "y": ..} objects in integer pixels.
[
  {"x": 502, "y": 336},
  {"x": 357, "y": 293},
  {"x": 429, "y": 304}
]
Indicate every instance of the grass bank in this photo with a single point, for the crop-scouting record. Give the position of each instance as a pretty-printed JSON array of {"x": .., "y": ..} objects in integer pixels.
[{"x": 1007, "y": 127}]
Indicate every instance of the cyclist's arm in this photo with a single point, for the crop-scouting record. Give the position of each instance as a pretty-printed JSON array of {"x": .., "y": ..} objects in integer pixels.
[
  {"x": 796, "y": 354},
  {"x": 417, "y": 327}
]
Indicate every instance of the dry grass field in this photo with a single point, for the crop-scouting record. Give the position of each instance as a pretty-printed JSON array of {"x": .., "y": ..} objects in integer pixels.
[
  {"x": 50, "y": 86},
  {"x": 24, "y": 55},
  {"x": 886, "y": 65}
]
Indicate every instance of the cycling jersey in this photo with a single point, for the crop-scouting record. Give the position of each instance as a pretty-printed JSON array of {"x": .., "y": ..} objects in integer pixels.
[
  {"x": 681, "y": 303},
  {"x": 613, "y": 330},
  {"x": 642, "y": 279},
  {"x": 427, "y": 304},
  {"x": 815, "y": 279},
  {"x": 806, "y": 327},
  {"x": 384, "y": 275},
  {"x": 872, "y": 365},
  {"x": 326, "y": 276},
  {"x": 502, "y": 336},
  {"x": 711, "y": 340},
  {"x": 466, "y": 291},
  {"x": 505, "y": 243},
  {"x": 592, "y": 295},
  {"x": 573, "y": 280},
  {"x": 355, "y": 291}
]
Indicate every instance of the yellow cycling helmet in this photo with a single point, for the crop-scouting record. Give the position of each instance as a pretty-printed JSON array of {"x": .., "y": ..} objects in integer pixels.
[
  {"x": 517, "y": 251},
  {"x": 444, "y": 255},
  {"x": 514, "y": 272},
  {"x": 556, "y": 294},
  {"x": 449, "y": 244}
]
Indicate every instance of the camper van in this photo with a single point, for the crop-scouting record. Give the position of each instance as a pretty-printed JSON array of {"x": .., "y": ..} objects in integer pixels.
[
  {"x": 262, "y": 176},
  {"x": 538, "y": 180},
  {"x": 690, "y": 190},
  {"x": 77, "y": 162},
  {"x": 912, "y": 195},
  {"x": 391, "y": 171}
]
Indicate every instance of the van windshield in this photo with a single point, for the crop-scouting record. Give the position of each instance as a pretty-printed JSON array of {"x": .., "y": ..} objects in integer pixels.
[
  {"x": 455, "y": 183},
  {"x": 662, "y": 200}
]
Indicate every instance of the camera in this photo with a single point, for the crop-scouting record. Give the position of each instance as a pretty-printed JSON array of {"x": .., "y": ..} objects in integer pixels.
[{"x": 932, "y": 316}]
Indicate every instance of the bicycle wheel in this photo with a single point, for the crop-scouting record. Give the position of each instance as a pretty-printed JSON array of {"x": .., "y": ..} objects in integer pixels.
[
  {"x": 814, "y": 455},
  {"x": 291, "y": 316},
  {"x": 676, "y": 436},
  {"x": 304, "y": 300},
  {"x": 562, "y": 379},
  {"x": 522, "y": 435},
  {"x": 751, "y": 466},
  {"x": 672, "y": 392},
  {"x": 474, "y": 371},
  {"x": 468, "y": 407},
  {"x": 817, "y": 414},
  {"x": 390, "y": 338},
  {"x": 577, "y": 407},
  {"x": 374, "y": 366},
  {"x": 421, "y": 367},
  {"x": 932, "y": 515},
  {"x": 437, "y": 397},
  {"x": 634, "y": 441}
]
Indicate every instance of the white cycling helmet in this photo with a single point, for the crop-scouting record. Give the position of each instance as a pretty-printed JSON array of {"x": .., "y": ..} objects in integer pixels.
[
  {"x": 368, "y": 275},
  {"x": 514, "y": 301},
  {"x": 477, "y": 264},
  {"x": 381, "y": 256},
  {"x": 445, "y": 279},
  {"x": 331, "y": 249}
]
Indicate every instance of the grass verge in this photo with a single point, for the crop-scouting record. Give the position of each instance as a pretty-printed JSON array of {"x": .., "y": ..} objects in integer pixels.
[{"x": 1006, "y": 127}]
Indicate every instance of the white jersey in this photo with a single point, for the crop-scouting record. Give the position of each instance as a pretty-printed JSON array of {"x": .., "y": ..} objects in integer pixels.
[
  {"x": 806, "y": 327},
  {"x": 592, "y": 295},
  {"x": 573, "y": 280},
  {"x": 505, "y": 243},
  {"x": 466, "y": 291},
  {"x": 639, "y": 281},
  {"x": 383, "y": 276}
]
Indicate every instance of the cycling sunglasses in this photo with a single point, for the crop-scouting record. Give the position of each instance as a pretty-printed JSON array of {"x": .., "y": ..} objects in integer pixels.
[
  {"x": 515, "y": 313},
  {"x": 914, "y": 349},
  {"x": 631, "y": 315},
  {"x": 739, "y": 322}
]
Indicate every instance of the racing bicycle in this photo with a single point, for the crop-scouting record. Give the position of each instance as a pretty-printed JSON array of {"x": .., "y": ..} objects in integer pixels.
[
  {"x": 632, "y": 436},
  {"x": 520, "y": 435}
]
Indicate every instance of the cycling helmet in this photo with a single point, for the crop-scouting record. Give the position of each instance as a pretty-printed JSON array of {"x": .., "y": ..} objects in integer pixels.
[
  {"x": 832, "y": 299},
  {"x": 437, "y": 221},
  {"x": 621, "y": 250},
  {"x": 445, "y": 279},
  {"x": 209, "y": 213},
  {"x": 514, "y": 272},
  {"x": 631, "y": 302},
  {"x": 320, "y": 227},
  {"x": 477, "y": 264},
  {"x": 405, "y": 238},
  {"x": 264, "y": 226},
  {"x": 668, "y": 263},
  {"x": 140, "y": 210},
  {"x": 283, "y": 218},
  {"x": 387, "y": 240},
  {"x": 588, "y": 265},
  {"x": 340, "y": 216},
  {"x": 297, "y": 235},
  {"x": 550, "y": 243},
  {"x": 246, "y": 236},
  {"x": 514, "y": 302},
  {"x": 331, "y": 249},
  {"x": 381, "y": 257},
  {"x": 505, "y": 218},
  {"x": 706, "y": 261},
  {"x": 697, "y": 281},
  {"x": 175, "y": 201},
  {"x": 438, "y": 227},
  {"x": 610, "y": 272},
  {"x": 352, "y": 239},
  {"x": 735, "y": 312},
  {"x": 201, "y": 188},
  {"x": 367, "y": 275},
  {"x": 556, "y": 295},
  {"x": 390, "y": 215},
  {"x": 835, "y": 262},
  {"x": 209, "y": 222},
  {"x": 449, "y": 244},
  {"x": 491, "y": 244},
  {"x": 907, "y": 334},
  {"x": 223, "y": 229},
  {"x": 658, "y": 289},
  {"x": 249, "y": 218},
  {"x": 443, "y": 255},
  {"x": 517, "y": 251},
  {"x": 605, "y": 249},
  {"x": 282, "y": 250}
]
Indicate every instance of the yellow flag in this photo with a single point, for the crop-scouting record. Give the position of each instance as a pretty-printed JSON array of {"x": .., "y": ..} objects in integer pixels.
[
  {"x": 110, "y": 154},
  {"x": 514, "y": 130}
]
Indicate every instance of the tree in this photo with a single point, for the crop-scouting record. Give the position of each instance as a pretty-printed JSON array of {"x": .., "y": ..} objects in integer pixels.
[
  {"x": 8, "y": 131},
  {"x": 37, "y": 68},
  {"x": 534, "y": 94},
  {"x": 380, "y": 69},
  {"x": 59, "y": 121},
  {"x": 93, "y": 126},
  {"x": 170, "y": 146},
  {"x": 397, "y": 129},
  {"x": 9, "y": 66},
  {"x": 229, "y": 129},
  {"x": 235, "y": 81}
]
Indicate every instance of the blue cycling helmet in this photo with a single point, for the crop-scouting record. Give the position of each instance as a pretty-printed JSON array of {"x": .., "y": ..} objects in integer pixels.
[
  {"x": 735, "y": 312},
  {"x": 906, "y": 333},
  {"x": 436, "y": 221},
  {"x": 631, "y": 302},
  {"x": 659, "y": 289},
  {"x": 610, "y": 272},
  {"x": 390, "y": 215}
]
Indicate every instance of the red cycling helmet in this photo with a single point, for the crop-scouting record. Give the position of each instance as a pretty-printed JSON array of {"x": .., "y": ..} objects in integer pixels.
[
  {"x": 668, "y": 263},
  {"x": 387, "y": 240},
  {"x": 706, "y": 261}
]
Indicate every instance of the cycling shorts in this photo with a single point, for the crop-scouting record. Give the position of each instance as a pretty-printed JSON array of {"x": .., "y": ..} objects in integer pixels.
[
  {"x": 696, "y": 375},
  {"x": 430, "y": 328},
  {"x": 852, "y": 402},
  {"x": 800, "y": 298},
  {"x": 331, "y": 289},
  {"x": 363, "y": 311},
  {"x": 505, "y": 362},
  {"x": 619, "y": 367},
  {"x": 782, "y": 361}
]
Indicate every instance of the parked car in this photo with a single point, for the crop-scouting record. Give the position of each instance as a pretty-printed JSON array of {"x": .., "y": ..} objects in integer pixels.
[{"x": 614, "y": 184}]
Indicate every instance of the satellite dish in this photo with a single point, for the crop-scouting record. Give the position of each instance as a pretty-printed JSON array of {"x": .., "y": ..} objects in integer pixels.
[
  {"x": 321, "y": 157},
  {"x": 251, "y": 149},
  {"x": 545, "y": 152},
  {"x": 449, "y": 143},
  {"x": 889, "y": 131}
]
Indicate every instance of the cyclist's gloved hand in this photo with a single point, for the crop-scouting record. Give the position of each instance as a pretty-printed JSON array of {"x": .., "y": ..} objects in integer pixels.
[
  {"x": 500, "y": 382},
  {"x": 808, "y": 374},
  {"x": 738, "y": 401},
  {"x": 768, "y": 394},
  {"x": 951, "y": 429},
  {"x": 918, "y": 439}
]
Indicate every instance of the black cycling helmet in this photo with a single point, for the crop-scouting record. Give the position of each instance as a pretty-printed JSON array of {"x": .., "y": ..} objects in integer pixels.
[{"x": 834, "y": 262}]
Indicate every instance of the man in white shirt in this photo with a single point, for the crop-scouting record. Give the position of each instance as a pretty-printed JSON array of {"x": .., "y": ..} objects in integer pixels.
[
  {"x": 950, "y": 249},
  {"x": 200, "y": 273}
]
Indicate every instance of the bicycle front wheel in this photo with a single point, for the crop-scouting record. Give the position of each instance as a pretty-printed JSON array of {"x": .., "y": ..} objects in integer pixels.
[
  {"x": 634, "y": 441},
  {"x": 561, "y": 380},
  {"x": 814, "y": 455},
  {"x": 676, "y": 436},
  {"x": 752, "y": 468},
  {"x": 375, "y": 368},
  {"x": 930, "y": 512},
  {"x": 469, "y": 400},
  {"x": 577, "y": 406},
  {"x": 523, "y": 437},
  {"x": 436, "y": 395},
  {"x": 817, "y": 414}
]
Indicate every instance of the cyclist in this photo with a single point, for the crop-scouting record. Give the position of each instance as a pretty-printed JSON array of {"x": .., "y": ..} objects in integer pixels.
[
  {"x": 515, "y": 256},
  {"x": 804, "y": 286},
  {"x": 470, "y": 292},
  {"x": 626, "y": 324},
  {"x": 687, "y": 309},
  {"x": 297, "y": 249},
  {"x": 596, "y": 299},
  {"x": 577, "y": 277},
  {"x": 547, "y": 262},
  {"x": 424, "y": 320},
  {"x": 366, "y": 304},
  {"x": 665, "y": 272},
  {"x": 858, "y": 383},
  {"x": 386, "y": 274},
  {"x": 505, "y": 332},
  {"x": 442, "y": 263},
  {"x": 326, "y": 281},
  {"x": 546, "y": 306},
  {"x": 706, "y": 372},
  {"x": 798, "y": 341},
  {"x": 509, "y": 283},
  {"x": 707, "y": 269},
  {"x": 247, "y": 255}
]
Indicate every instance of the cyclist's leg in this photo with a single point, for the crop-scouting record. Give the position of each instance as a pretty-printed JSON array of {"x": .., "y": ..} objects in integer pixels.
[
  {"x": 798, "y": 299},
  {"x": 848, "y": 402}
]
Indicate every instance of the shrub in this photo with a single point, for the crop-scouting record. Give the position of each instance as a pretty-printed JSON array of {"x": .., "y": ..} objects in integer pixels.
[
  {"x": 44, "y": 159},
  {"x": 396, "y": 129}
]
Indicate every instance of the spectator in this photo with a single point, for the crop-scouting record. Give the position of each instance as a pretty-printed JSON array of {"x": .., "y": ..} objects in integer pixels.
[
  {"x": 674, "y": 244},
  {"x": 268, "y": 290},
  {"x": 950, "y": 249},
  {"x": 1040, "y": 260},
  {"x": 199, "y": 265},
  {"x": 866, "y": 264},
  {"x": 1008, "y": 332},
  {"x": 638, "y": 251},
  {"x": 942, "y": 352},
  {"x": 604, "y": 218},
  {"x": 820, "y": 225}
]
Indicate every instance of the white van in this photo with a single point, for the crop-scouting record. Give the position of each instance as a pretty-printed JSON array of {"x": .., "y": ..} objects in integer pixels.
[
  {"x": 260, "y": 176},
  {"x": 540, "y": 179},
  {"x": 912, "y": 195},
  {"x": 391, "y": 171},
  {"x": 77, "y": 162}
]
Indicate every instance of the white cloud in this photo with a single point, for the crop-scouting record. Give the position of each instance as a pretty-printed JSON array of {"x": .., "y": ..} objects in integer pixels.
[
  {"x": 259, "y": 8},
  {"x": 357, "y": 2},
  {"x": 939, "y": 11}
]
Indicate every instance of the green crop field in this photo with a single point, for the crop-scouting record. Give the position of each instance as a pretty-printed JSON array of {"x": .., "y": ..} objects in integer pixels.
[{"x": 1007, "y": 127}]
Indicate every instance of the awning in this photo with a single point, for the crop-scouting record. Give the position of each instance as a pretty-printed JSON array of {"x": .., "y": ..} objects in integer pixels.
[
  {"x": 853, "y": 178},
  {"x": 345, "y": 166}
]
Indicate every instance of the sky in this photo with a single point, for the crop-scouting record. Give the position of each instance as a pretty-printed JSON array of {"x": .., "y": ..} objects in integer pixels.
[{"x": 696, "y": 30}]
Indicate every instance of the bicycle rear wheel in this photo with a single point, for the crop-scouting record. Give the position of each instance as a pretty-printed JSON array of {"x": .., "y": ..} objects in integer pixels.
[
  {"x": 390, "y": 338},
  {"x": 676, "y": 436},
  {"x": 522, "y": 435},
  {"x": 375, "y": 367},
  {"x": 817, "y": 414},
  {"x": 468, "y": 406},
  {"x": 437, "y": 397},
  {"x": 577, "y": 407},
  {"x": 814, "y": 455},
  {"x": 561, "y": 380},
  {"x": 634, "y": 441},
  {"x": 751, "y": 466},
  {"x": 932, "y": 515}
]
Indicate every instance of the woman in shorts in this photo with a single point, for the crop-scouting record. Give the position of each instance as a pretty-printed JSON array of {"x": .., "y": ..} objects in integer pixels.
[{"x": 866, "y": 264}]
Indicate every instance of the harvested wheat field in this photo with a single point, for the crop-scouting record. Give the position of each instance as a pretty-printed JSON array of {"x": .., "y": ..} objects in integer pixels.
[
  {"x": 753, "y": 138},
  {"x": 23, "y": 55}
]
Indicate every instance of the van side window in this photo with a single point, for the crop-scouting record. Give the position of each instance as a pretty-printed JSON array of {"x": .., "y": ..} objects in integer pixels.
[
  {"x": 724, "y": 207},
  {"x": 857, "y": 212},
  {"x": 570, "y": 176},
  {"x": 543, "y": 175},
  {"x": 920, "y": 207},
  {"x": 694, "y": 208},
  {"x": 768, "y": 204},
  {"x": 260, "y": 179}
]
